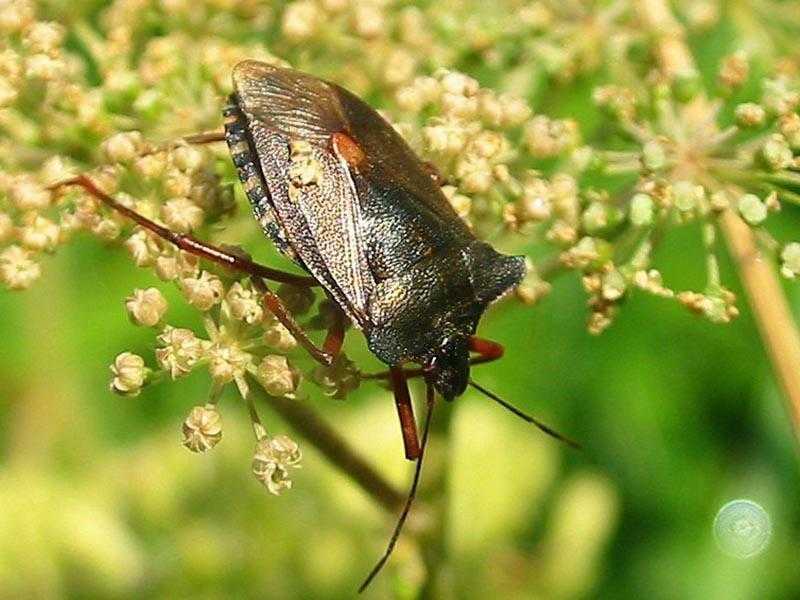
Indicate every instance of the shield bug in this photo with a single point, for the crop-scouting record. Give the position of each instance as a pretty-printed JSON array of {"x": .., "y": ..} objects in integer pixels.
[{"x": 338, "y": 191}]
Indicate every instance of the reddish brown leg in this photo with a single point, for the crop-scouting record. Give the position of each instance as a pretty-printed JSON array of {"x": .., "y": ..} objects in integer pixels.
[
  {"x": 275, "y": 305},
  {"x": 487, "y": 352},
  {"x": 207, "y": 137},
  {"x": 405, "y": 411},
  {"x": 189, "y": 243},
  {"x": 335, "y": 336}
]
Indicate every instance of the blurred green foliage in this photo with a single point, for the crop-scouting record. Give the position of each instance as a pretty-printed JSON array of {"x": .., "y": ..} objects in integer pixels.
[{"x": 677, "y": 416}]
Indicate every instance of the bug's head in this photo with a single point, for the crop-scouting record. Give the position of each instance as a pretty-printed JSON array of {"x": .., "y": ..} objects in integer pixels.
[{"x": 449, "y": 366}]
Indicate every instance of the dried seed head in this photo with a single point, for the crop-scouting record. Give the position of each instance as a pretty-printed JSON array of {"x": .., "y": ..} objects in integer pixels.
[
  {"x": 17, "y": 270},
  {"x": 181, "y": 350},
  {"x": 203, "y": 292},
  {"x": 277, "y": 376},
  {"x": 272, "y": 460},
  {"x": 146, "y": 307},
  {"x": 130, "y": 374},
  {"x": 202, "y": 429}
]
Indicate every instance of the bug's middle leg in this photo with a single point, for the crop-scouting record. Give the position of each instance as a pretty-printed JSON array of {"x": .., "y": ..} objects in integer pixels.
[{"x": 333, "y": 341}]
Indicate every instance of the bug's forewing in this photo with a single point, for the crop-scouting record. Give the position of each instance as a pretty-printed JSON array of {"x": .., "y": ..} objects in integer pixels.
[{"x": 322, "y": 220}]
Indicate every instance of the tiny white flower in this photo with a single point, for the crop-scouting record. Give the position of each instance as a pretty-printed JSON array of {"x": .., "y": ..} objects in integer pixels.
[
  {"x": 17, "y": 270},
  {"x": 202, "y": 429}
]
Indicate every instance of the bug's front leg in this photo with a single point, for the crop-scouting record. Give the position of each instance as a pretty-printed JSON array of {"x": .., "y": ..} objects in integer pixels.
[
  {"x": 405, "y": 411},
  {"x": 487, "y": 351}
]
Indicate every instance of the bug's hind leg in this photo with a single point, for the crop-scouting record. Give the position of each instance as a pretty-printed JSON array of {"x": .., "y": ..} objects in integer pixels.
[{"x": 188, "y": 243}]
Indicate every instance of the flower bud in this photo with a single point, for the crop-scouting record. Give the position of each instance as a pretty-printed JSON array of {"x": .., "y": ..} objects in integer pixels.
[
  {"x": 6, "y": 227},
  {"x": 26, "y": 194},
  {"x": 182, "y": 215},
  {"x": 776, "y": 153},
  {"x": 123, "y": 147},
  {"x": 244, "y": 304},
  {"x": 272, "y": 460},
  {"x": 17, "y": 270},
  {"x": 752, "y": 209},
  {"x": 227, "y": 362},
  {"x": 641, "y": 211},
  {"x": 277, "y": 376},
  {"x": 276, "y": 336},
  {"x": 750, "y": 114},
  {"x": 146, "y": 307},
  {"x": 790, "y": 255},
  {"x": 202, "y": 429},
  {"x": 203, "y": 292},
  {"x": 142, "y": 248},
  {"x": 130, "y": 374},
  {"x": 180, "y": 351}
]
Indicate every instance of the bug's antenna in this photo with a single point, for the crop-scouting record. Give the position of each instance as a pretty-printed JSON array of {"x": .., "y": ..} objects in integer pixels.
[
  {"x": 525, "y": 417},
  {"x": 411, "y": 494}
]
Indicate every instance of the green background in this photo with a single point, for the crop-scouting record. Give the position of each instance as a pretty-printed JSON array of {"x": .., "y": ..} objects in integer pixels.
[{"x": 677, "y": 416}]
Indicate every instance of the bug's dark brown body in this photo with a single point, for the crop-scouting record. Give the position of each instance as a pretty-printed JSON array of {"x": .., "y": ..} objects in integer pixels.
[{"x": 368, "y": 222}]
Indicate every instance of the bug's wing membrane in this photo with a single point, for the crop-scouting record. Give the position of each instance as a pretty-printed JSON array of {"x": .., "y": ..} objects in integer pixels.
[
  {"x": 392, "y": 164},
  {"x": 289, "y": 102},
  {"x": 322, "y": 219}
]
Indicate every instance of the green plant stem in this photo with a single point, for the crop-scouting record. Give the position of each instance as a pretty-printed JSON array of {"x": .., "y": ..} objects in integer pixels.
[{"x": 770, "y": 309}]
